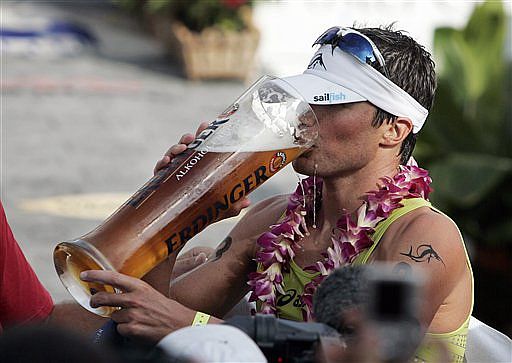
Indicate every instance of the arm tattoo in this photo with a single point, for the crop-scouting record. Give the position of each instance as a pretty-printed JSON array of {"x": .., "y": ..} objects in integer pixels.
[
  {"x": 423, "y": 253},
  {"x": 223, "y": 247}
]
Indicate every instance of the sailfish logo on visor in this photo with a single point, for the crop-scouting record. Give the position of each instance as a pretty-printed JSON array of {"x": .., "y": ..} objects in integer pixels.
[
  {"x": 317, "y": 60},
  {"x": 331, "y": 97}
]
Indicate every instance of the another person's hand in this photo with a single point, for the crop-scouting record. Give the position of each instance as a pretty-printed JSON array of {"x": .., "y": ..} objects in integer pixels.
[
  {"x": 145, "y": 313},
  {"x": 181, "y": 147},
  {"x": 190, "y": 260}
]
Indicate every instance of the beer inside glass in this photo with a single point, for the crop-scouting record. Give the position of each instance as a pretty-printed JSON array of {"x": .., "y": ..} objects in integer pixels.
[{"x": 266, "y": 128}]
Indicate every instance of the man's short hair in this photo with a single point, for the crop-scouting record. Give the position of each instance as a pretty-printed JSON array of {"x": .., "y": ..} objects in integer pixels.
[
  {"x": 410, "y": 67},
  {"x": 344, "y": 289}
]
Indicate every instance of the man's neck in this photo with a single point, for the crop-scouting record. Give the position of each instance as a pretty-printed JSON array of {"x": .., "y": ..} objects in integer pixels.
[{"x": 347, "y": 192}]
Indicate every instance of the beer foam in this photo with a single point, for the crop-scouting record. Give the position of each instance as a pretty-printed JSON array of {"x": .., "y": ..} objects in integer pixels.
[
  {"x": 260, "y": 126},
  {"x": 228, "y": 139}
]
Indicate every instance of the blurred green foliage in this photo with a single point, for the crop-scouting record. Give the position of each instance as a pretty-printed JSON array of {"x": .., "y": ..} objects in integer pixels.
[
  {"x": 227, "y": 15},
  {"x": 467, "y": 141}
]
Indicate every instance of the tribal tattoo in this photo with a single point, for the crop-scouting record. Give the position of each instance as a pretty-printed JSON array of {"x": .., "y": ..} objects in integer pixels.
[
  {"x": 223, "y": 247},
  {"x": 424, "y": 253}
]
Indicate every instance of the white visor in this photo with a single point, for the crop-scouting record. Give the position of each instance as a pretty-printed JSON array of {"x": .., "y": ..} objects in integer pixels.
[{"x": 335, "y": 77}]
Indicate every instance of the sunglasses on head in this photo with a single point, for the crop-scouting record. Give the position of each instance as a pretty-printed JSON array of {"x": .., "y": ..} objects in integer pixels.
[{"x": 354, "y": 43}]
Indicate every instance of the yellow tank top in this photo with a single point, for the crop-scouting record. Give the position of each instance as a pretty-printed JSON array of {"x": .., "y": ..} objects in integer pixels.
[{"x": 289, "y": 305}]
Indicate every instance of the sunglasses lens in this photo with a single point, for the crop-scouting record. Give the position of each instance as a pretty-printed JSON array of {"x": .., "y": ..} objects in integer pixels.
[
  {"x": 328, "y": 36},
  {"x": 357, "y": 46},
  {"x": 354, "y": 43}
]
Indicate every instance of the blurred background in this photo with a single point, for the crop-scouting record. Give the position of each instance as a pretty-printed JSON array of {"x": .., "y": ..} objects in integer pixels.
[{"x": 94, "y": 92}]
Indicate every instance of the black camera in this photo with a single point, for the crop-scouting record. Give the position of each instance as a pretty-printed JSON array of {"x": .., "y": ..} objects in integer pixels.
[
  {"x": 284, "y": 341},
  {"x": 393, "y": 311}
]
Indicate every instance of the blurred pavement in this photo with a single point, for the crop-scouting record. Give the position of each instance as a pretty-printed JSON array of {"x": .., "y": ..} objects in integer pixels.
[{"x": 82, "y": 133}]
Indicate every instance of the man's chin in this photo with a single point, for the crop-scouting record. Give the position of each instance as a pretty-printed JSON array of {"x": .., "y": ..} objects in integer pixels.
[
  {"x": 308, "y": 152},
  {"x": 301, "y": 166}
]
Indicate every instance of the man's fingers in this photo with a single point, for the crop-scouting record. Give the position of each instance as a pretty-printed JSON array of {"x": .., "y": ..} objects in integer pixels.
[
  {"x": 123, "y": 315},
  {"x": 168, "y": 156},
  {"x": 201, "y": 127},
  {"x": 176, "y": 150},
  {"x": 112, "y": 278},
  {"x": 109, "y": 299},
  {"x": 242, "y": 204},
  {"x": 238, "y": 206},
  {"x": 187, "y": 139},
  {"x": 129, "y": 324},
  {"x": 139, "y": 331},
  {"x": 161, "y": 163}
]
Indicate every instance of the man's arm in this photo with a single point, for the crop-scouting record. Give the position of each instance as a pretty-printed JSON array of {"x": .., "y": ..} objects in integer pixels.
[
  {"x": 71, "y": 315},
  {"x": 431, "y": 242},
  {"x": 160, "y": 277},
  {"x": 214, "y": 287}
]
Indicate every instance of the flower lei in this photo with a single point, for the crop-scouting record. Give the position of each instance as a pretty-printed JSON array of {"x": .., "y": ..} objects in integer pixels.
[{"x": 350, "y": 237}]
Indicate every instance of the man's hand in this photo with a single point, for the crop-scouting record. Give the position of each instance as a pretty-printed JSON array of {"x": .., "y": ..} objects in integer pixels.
[
  {"x": 177, "y": 149},
  {"x": 145, "y": 313},
  {"x": 181, "y": 147}
]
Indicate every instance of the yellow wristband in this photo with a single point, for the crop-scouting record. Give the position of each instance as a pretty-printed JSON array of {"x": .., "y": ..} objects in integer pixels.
[{"x": 200, "y": 319}]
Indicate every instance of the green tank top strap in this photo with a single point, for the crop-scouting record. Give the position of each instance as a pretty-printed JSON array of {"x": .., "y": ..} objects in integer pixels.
[
  {"x": 454, "y": 342},
  {"x": 408, "y": 206}
]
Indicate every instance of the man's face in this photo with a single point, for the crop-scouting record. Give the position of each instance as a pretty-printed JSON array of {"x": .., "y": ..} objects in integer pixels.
[{"x": 346, "y": 142}]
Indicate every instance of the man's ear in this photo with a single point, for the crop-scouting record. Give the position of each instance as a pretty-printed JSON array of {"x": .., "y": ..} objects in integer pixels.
[{"x": 396, "y": 131}]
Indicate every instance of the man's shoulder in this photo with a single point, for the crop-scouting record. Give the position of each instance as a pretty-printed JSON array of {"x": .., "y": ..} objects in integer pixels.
[
  {"x": 429, "y": 216},
  {"x": 426, "y": 234},
  {"x": 431, "y": 224}
]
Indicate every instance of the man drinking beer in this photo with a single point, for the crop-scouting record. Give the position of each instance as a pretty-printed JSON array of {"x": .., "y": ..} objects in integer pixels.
[{"x": 365, "y": 201}]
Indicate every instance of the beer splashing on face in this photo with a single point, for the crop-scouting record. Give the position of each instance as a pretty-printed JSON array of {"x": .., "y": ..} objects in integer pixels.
[{"x": 314, "y": 194}]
